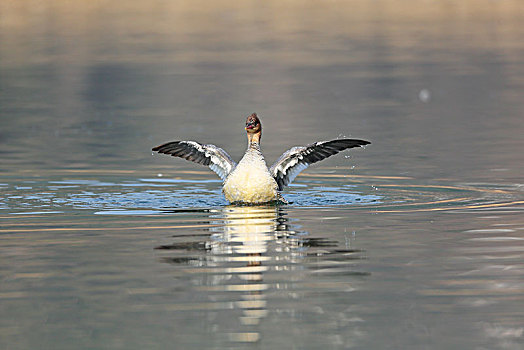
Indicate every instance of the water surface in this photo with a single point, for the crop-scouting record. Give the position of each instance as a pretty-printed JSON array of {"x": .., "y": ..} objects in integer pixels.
[{"x": 415, "y": 242}]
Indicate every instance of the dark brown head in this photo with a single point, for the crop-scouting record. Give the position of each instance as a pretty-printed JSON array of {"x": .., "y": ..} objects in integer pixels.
[
  {"x": 253, "y": 129},
  {"x": 253, "y": 124}
]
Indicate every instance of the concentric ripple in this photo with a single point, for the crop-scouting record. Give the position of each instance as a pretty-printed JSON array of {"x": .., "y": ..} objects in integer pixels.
[{"x": 142, "y": 196}]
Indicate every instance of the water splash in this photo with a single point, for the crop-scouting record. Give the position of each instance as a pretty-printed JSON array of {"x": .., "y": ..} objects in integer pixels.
[{"x": 152, "y": 196}]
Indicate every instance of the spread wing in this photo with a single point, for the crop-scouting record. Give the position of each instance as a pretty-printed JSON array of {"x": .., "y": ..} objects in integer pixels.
[
  {"x": 216, "y": 158},
  {"x": 293, "y": 161}
]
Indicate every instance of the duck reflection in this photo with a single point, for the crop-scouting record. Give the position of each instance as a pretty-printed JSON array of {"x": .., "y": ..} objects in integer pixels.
[
  {"x": 247, "y": 253},
  {"x": 243, "y": 241}
]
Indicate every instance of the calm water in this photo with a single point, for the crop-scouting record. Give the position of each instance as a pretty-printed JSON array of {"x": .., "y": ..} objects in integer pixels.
[{"x": 416, "y": 242}]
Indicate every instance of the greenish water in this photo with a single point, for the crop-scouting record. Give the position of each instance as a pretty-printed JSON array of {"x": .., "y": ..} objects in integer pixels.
[{"x": 415, "y": 242}]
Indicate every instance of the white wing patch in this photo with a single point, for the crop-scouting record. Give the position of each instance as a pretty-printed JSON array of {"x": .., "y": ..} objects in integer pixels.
[
  {"x": 215, "y": 157},
  {"x": 293, "y": 161}
]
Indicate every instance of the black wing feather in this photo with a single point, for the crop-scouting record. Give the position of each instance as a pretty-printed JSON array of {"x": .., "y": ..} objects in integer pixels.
[
  {"x": 293, "y": 161},
  {"x": 210, "y": 155}
]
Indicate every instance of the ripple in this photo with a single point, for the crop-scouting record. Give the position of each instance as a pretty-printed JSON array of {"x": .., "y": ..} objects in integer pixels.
[{"x": 152, "y": 196}]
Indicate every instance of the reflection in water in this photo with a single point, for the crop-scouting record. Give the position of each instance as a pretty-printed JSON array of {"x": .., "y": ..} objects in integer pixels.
[
  {"x": 255, "y": 251},
  {"x": 243, "y": 242}
]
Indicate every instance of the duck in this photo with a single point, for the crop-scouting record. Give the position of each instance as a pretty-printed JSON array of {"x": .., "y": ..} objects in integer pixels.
[{"x": 251, "y": 181}]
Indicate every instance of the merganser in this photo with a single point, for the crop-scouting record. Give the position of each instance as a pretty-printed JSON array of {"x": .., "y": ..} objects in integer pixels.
[{"x": 250, "y": 181}]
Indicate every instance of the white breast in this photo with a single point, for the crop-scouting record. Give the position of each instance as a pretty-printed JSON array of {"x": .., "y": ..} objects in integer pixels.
[{"x": 250, "y": 181}]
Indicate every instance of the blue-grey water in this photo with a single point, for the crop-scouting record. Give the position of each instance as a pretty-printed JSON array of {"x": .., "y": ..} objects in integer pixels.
[{"x": 415, "y": 242}]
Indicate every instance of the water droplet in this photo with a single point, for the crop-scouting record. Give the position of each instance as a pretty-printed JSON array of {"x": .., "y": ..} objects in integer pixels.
[{"x": 424, "y": 95}]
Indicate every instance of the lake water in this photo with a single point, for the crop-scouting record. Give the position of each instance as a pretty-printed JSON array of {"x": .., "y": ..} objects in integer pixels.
[{"x": 415, "y": 242}]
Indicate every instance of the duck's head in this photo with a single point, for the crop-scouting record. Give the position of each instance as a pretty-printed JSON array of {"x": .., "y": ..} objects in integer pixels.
[
  {"x": 253, "y": 124},
  {"x": 253, "y": 129}
]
